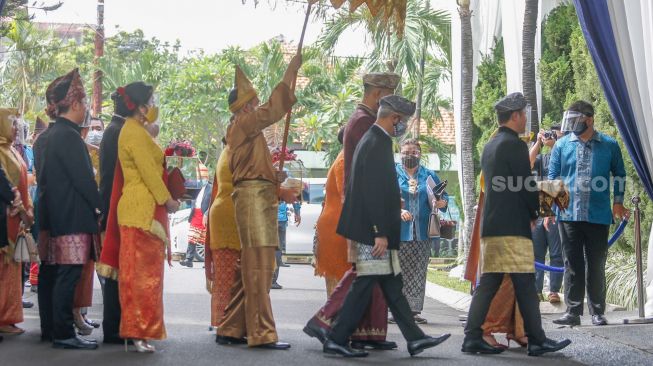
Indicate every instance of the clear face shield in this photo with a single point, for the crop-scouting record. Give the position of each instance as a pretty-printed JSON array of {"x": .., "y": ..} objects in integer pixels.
[
  {"x": 573, "y": 121},
  {"x": 528, "y": 130}
]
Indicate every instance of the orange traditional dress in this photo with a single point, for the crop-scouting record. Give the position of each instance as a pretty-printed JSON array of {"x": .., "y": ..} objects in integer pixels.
[
  {"x": 136, "y": 236},
  {"x": 222, "y": 242},
  {"x": 331, "y": 252},
  {"x": 11, "y": 306}
]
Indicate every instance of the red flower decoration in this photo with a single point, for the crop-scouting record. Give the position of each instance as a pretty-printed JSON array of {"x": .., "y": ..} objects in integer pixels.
[
  {"x": 128, "y": 102},
  {"x": 288, "y": 156},
  {"x": 180, "y": 148}
]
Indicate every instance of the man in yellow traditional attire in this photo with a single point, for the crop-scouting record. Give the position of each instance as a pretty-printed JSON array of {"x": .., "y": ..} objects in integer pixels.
[{"x": 248, "y": 317}]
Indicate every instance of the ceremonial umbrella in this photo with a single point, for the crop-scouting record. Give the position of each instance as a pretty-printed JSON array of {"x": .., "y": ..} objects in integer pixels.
[{"x": 389, "y": 10}]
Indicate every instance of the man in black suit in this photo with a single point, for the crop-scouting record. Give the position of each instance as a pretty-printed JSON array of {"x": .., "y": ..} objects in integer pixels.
[
  {"x": 510, "y": 210},
  {"x": 371, "y": 219}
]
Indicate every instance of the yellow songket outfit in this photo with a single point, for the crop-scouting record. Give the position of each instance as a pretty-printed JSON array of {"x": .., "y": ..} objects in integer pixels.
[
  {"x": 249, "y": 313},
  {"x": 224, "y": 241},
  {"x": 507, "y": 254},
  {"x": 142, "y": 238}
]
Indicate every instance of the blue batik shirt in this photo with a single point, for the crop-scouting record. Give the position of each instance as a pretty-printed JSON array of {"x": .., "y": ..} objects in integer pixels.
[
  {"x": 589, "y": 169},
  {"x": 283, "y": 210}
]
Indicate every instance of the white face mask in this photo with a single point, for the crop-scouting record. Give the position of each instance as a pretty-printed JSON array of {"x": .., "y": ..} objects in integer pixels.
[{"x": 94, "y": 137}]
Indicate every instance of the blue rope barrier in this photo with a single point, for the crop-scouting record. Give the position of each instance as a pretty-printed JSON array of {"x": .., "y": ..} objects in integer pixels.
[{"x": 617, "y": 234}]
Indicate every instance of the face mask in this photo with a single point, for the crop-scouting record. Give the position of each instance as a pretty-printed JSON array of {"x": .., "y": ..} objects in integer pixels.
[
  {"x": 580, "y": 128},
  {"x": 401, "y": 127},
  {"x": 410, "y": 161},
  {"x": 152, "y": 114},
  {"x": 94, "y": 138}
]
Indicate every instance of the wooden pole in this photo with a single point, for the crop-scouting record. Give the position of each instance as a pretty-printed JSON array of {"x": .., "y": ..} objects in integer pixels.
[
  {"x": 99, "y": 52},
  {"x": 286, "y": 129}
]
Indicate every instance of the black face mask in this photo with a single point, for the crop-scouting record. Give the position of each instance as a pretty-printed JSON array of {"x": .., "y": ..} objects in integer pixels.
[{"x": 410, "y": 161}]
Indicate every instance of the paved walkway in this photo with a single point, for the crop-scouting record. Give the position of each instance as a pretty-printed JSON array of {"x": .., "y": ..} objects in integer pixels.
[{"x": 190, "y": 342}]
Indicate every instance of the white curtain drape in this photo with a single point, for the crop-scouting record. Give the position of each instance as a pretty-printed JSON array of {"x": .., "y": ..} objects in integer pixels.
[{"x": 632, "y": 24}]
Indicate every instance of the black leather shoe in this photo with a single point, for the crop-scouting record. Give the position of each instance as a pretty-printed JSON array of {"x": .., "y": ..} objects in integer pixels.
[
  {"x": 74, "y": 343},
  {"x": 186, "y": 263},
  {"x": 27, "y": 304},
  {"x": 568, "y": 319},
  {"x": 333, "y": 348},
  {"x": 224, "y": 340},
  {"x": 549, "y": 345},
  {"x": 599, "y": 320},
  {"x": 315, "y": 331},
  {"x": 278, "y": 346},
  {"x": 377, "y": 345},
  {"x": 276, "y": 286},
  {"x": 479, "y": 346},
  {"x": 284, "y": 265},
  {"x": 418, "y": 346}
]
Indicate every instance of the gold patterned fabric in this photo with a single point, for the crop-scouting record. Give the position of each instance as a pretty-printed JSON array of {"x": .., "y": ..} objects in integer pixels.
[
  {"x": 249, "y": 314},
  {"x": 394, "y": 10},
  {"x": 256, "y": 205},
  {"x": 507, "y": 254}
]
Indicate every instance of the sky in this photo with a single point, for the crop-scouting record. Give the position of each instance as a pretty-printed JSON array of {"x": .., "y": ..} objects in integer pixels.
[{"x": 211, "y": 25}]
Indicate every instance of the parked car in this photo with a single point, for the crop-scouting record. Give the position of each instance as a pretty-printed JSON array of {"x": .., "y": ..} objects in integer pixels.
[{"x": 299, "y": 239}]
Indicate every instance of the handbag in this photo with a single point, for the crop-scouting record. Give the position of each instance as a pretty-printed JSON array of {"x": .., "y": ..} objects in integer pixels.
[
  {"x": 26, "y": 250},
  {"x": 448, "y": 227},
  {"x": 434, "y": 224}
]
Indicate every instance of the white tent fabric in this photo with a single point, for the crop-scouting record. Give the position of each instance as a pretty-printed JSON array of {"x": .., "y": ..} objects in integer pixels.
[
  {"x": 512, "y": 28},
  {"x": 488, "y": 25},
  {"x": 632, "y": 24}
]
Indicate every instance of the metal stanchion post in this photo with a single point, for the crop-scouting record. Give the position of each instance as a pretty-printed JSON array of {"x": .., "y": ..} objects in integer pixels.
[{"x": 641, "y": 297}]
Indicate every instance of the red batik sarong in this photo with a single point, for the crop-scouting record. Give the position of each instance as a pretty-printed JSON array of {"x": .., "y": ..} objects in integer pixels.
[{"x": 374, "y": 324}]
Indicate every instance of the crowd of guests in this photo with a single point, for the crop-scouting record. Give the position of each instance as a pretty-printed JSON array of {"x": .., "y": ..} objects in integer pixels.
[{"x": 101, "y": 198}]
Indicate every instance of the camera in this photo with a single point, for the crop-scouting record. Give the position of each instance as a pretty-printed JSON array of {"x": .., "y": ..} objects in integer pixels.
[{"x": 550, "y": 135}]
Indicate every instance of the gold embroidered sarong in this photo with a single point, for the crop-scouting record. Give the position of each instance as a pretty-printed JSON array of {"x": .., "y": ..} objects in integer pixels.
[
  {"x": 507, "y": 254},
  {"x": 256, "y": 205}
]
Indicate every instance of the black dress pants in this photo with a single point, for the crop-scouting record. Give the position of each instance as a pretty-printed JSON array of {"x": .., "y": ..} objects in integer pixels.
[
  {"x": 527, "y": 300},
  {"x": 585, "y": 247},
  {"x": 358, "y": 299},
  {"x": 111, "y": 300},
  {"x": 56, "y": 294}
]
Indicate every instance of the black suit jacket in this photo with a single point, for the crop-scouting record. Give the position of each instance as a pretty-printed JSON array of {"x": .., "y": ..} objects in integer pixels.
[
  {"x": 372, "y": 205},
  {"x": 108, "y": 160},
  {"x": 505, "y": 163},
  {"x": 39, "y": 162},
  {"x": 68, "y": 185},
  {"x": 6, "y": 198}
]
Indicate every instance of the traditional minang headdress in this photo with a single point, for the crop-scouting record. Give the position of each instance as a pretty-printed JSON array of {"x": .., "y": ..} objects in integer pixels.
[
  {"x": 244, "y": 89},
  {"x": 75, "y": 93}
]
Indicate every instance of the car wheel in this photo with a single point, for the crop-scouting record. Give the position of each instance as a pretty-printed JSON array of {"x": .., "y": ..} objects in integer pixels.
[{"x": 199, "y": 252}]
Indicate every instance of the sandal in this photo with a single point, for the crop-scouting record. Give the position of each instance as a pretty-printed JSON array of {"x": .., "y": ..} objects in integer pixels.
[{"x": 11, "y": 329}]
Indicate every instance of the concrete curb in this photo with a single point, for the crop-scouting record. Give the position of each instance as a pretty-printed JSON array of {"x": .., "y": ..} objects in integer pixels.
[{"x": 452, "y": 298}]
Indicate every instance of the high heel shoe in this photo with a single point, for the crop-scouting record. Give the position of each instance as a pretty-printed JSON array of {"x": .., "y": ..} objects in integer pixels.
[
  {"x": 522, "y": 342},
  {"x": 83, "y": 328},
  {"x": 494, "y": 343},
  {"x": 143, "y": 347}
]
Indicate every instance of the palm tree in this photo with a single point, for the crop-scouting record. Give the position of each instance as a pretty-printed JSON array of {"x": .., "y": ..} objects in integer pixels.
[
  {"x": 28, "y": 64},
  {"x": 467, "y": 142},
  {"x": 528, "y": 59},
  {"x": 425, "y": 29}
]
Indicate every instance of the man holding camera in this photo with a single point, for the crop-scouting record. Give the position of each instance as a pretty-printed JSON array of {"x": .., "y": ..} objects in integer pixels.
[
  {"x": 587, "y": 160},
  {"x": 545, "y": 233}
]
